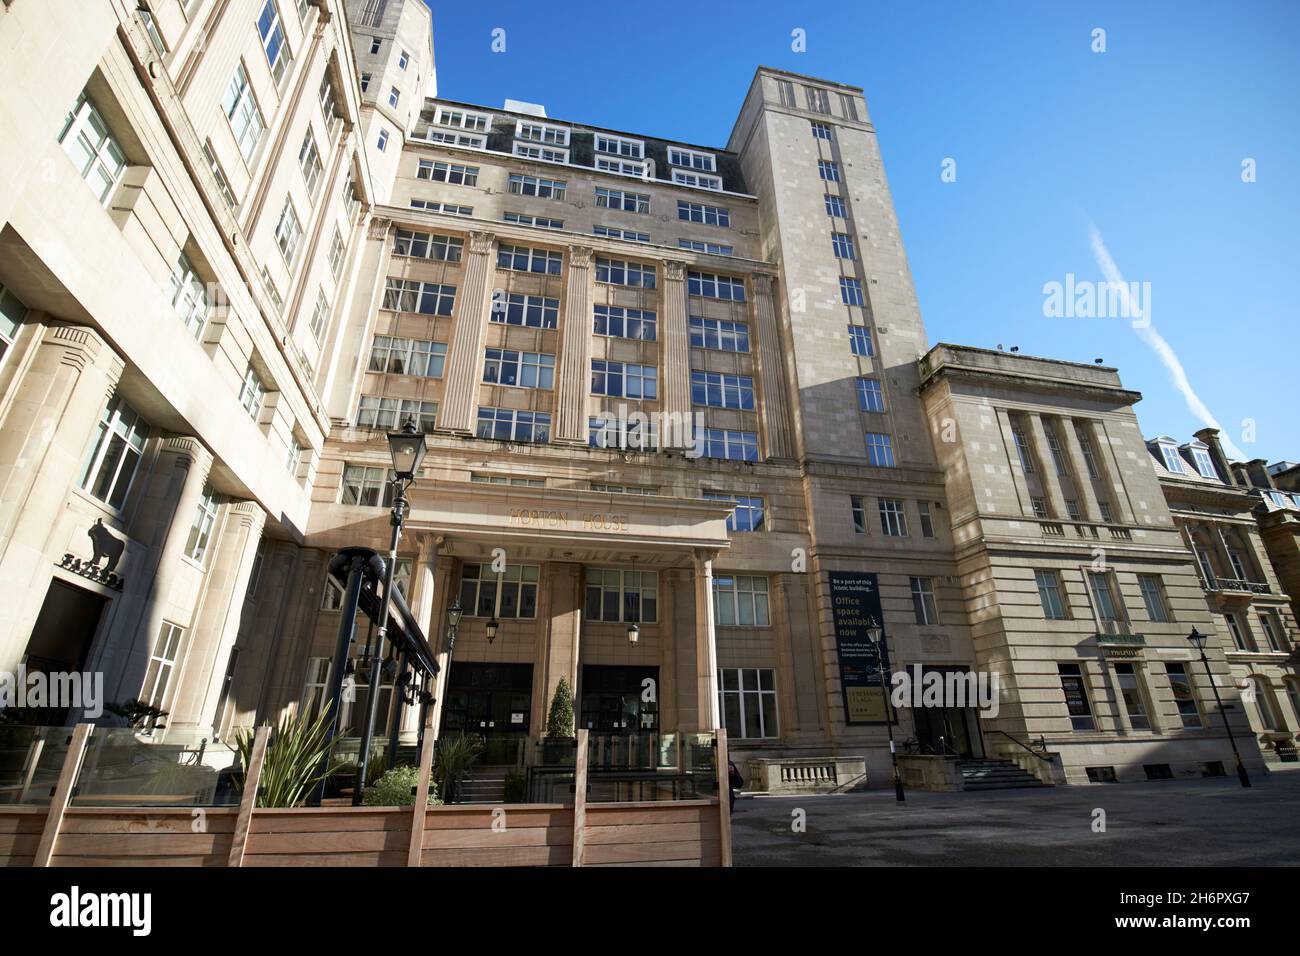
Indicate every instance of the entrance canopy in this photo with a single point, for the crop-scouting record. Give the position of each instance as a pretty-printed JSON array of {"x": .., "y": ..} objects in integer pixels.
[{"x": 403, "y": 629}]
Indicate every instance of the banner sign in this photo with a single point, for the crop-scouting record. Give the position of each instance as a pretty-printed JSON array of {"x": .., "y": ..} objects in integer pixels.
[{"x": 855, "y": 600}]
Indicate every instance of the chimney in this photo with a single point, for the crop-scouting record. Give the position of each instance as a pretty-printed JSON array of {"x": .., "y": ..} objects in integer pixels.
[
  {"x": 1257, "y": 470},
  {"x": 1210, "y": 436}
]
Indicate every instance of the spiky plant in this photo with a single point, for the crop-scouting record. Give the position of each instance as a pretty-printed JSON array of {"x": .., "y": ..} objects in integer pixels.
[
  {"x": 451, "y": 761},
  {"x": 294, "y": 757}
]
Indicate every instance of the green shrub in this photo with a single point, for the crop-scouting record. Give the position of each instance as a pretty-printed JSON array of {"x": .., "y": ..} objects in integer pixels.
[
  {"x": 294, "y": 756},
  {"x": 395, "y": 789},
  {"x": 559, "y": 722}
]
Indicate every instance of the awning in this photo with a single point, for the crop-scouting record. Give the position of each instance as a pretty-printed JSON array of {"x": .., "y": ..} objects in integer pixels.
[{"x": 404, "y": 630}]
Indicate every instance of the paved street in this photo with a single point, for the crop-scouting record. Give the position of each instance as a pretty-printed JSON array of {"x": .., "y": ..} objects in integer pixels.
[{"x": 1169, "y": 823}]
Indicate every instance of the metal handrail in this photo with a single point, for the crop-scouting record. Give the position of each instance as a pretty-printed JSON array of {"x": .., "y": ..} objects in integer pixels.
[{"x": 1042, "y": 742}]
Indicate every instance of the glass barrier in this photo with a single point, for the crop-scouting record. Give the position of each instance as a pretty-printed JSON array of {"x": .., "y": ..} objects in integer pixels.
[
  {"x": 30, "y": 761},
  {"x": 651, "y": 766},
  {"x": 124, "y": 767}
]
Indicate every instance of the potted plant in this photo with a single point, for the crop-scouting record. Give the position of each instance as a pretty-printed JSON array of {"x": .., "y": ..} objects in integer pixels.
[
  {"x": 558, "y": 747},
  {"x": 396, "y": 788}
]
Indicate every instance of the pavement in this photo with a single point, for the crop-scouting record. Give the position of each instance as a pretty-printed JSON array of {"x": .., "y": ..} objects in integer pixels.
[{"x": 1210, "y": 822}]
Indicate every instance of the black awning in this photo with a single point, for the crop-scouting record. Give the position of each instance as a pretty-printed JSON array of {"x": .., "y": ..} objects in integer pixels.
[{"x": 404, "y": 630}]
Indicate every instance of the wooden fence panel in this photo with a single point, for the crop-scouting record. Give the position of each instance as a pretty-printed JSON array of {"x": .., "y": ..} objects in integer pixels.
[
  {"x": 329, "y": 836},
  {"x": 144, "y": 836},
  {"x": 20, "y": 834},
  {"x": 684, "y": 833},
  {"x": 522, "y": 835}
]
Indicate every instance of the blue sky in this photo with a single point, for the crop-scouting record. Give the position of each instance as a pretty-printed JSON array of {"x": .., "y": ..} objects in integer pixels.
[{"x": 1061, "y": 153}]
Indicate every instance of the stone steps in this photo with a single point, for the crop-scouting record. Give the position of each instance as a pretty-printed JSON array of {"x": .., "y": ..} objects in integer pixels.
[{"x": 996, "y": 775}]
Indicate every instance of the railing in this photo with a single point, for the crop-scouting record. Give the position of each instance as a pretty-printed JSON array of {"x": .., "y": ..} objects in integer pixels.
[
  {"x": 1237, "y": 584},
  {"x": 1041, "y": 754}
]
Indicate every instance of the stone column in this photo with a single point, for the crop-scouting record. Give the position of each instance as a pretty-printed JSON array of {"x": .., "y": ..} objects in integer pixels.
[
  {"x": 573, "y": 389},
  {"x": 443, "y": 577},
  {"x": 775, "y": 407},
  {"x": 465, "y": 357},
  {"x": 43, "y": 439},
  {"x": 1082, "y": 481},
  {"x": 706, "y": 644},
  {"x": 216, "y": 624},
  {"x": 562, "y": 636},
  {"x": 675, "y": 431},
  {"x": 424, "y": 590},
  {"x": 1051, "y": 482}
]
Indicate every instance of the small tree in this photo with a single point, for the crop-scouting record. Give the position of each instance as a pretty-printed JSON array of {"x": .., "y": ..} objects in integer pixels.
[{"x": 559, "y": 723}]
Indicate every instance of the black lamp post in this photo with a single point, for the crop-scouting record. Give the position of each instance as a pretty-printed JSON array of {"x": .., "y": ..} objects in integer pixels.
[
  {"x": 407, "y": 448},
  {"x": 1198, "y": 641},
  {"x": 876, "y": 634}
]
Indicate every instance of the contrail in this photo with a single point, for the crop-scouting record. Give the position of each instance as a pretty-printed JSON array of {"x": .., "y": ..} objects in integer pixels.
[{"x": 1148, "y": 334}]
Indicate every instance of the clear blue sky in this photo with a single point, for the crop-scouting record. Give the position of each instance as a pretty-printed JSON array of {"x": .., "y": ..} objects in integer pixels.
[{"x": 1144, "y": 142}]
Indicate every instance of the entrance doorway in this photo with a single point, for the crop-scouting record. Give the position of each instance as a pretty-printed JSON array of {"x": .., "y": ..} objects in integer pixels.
[
  {"x": 614, "y": 699},
  {"x": 492, "y": 702},
  {"x": 948, "y": 729},
  {"x": 61, "y": 638}
]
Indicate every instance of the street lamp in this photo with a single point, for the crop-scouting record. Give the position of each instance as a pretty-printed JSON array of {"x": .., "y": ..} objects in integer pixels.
[
  {"x": 633, "y": 633},
  {"x": 876, "y": 634},
  {"x": 491, "y": 628},
  {"x": 1198, "y": 641},
  {"x": 407, "y": 448}
]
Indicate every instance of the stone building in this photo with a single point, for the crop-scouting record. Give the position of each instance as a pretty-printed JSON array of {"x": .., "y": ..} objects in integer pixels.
[{"x": 679, "y": 405}]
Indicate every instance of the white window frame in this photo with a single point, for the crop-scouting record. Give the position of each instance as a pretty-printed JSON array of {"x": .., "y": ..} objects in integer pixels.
[
  {"x": 623, "y": 582},
  {"x": 521, "y": 575},
  {"x": 244, "y": 116},
  {"x": 279, "y": 63},
  {"x": 189, "y": 295},
  {"x": 620, "y": 146},
  {"x": 157, "y": 688},
  {"x": 288, "y": 232},
  {"x": 737, "y": 596},
  {"x": 684, "y": 177},
  {"x": 925, "y": 605},
  {"x": 309, "y": 161},
  {"x": 205, "y": 520},
  {"x": 693, "y": 159},
  {"x": 746, "y": 697},
  {"x": 86, "y": 127},
  {"x": 463, "y": 119},
  {"x": 120, "y": 422},
  {"x": 252, "y": 393},
  {"x": 549, "y": 134}
]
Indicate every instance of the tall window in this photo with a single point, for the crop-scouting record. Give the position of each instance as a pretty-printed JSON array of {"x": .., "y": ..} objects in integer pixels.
[
  {"x": 1270, "y": 632},
  {"x": 242, "y": 112},
  {"x": 747, "y": 700},
  {"x": 623, "y": 379},
  {"x": 1239, "y": 639},
  {"x": 748, "y": 513},
  {"x": 1076, "y": 696},
  {"x": 318, "y": 675},
  {"x": 1204, "y": 464},
  {"x": 858, "y": 509},
  {"x": 740, "y": 600},
  {"x": 828, "y": 170},
  {"x": 1023, "y": 450},
  {"x": 842, "y": 245},
  {"x": 893, "y": 519},
  {"x": 520, "y": 369},
  {"x": 205, "y": 517},
  {"x": 320, "y": 316},
  {"x": 618, "y": 322},
  {"x": 880, "y": 450},
  {"x": 1103, "y": 598},
  {"x": 252, "y": 393},
  {"x": 1049, "y": 593},
  {"x": 532, "y": 311},
  {"x": 368, "y": 486},
  {"x": 924, "y": 608},
  {"x": 1180, "y": 683},
  {"x": 271, "y": 30},
  {"x": 860, "y": 339},
  {"x": 1085, "y": 446},
  {"x": 851, "y": 294},
  {"x": 189, "y": 296},
  {"x": 288, "y": 231},
  {"x": 835, "y": 207},
  {"x": 510, "y": 594},
  {"x": 309, "y": 162},
  {"x": 1130, "y": 691},
  {"x": 719, "y": 334},
  {"x": 336, "y": 253},
  {"x": 720, "y": 390},
  {"x": 618, "y": 596},
  {"x": 1173, "y": 461},
  {"x": 1153, "y": 596},
  {"x": 162, "y": 665},
  {"x": 1054, "y": 446},
  {"x": 97, "y": 155},
  {"x": 12, "y": 315},
  {"x": 870, "y": 396},
  {"x": 115, "y": 455},
  {"x": 927, "y": 522}
]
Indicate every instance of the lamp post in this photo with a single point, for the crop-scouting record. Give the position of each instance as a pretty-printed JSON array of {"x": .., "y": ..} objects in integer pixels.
[
  {"x": 1198, "y": 641},
  {"x": 407, "y": 448},
  {"x": 491, "y": 629},
  {"x": 876, "y": 634}
]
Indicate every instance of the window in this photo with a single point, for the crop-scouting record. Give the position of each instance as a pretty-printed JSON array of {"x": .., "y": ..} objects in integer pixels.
[
  {"x": 1076, "y": 696},
  {"x": 625, "y": 201},
  {"x": 740, "y": 601},
  {"x": 1180, "y": 683},
  {"x": 403, "y": 59},
  {"x": 119, "y": 445},
  {"x": 351, "y": 199},
  {"x": 391, "y": 414},
  {"x": 720, "y": 390},
  {"x": 1130, "y": 692},
  {"x": 318, "y": 669},
  {"x": 375, "y": 44},
  {"x": 269, "y": 285},
  {"x": 1072, "y": 509},
  {"x": 452, "y": 139},
  {"x": 835, "y": 207},
  {"x": 713, "y": 248},
  {"x": 1153, "y": 596},
  {"x": 747, "y": 515},
  {"x": 336, "y": 253},
  {"x": 162, "y": 665},
  {"x": 731, "y": 445},
  {"x": 205, "y": 517},
  {"x": 880, "y": 450},
  {"x": 545, "y": 154},
  {"x": 288, "y": 231},
  {"x": 524, "y": 259},
  {"x": 1085, "y": 446},
  {"x": 627, "y": 434},
  {"x": 506, "y": 424},
  {"x": 927, "y": 523},
  {"x": 482, "y": 479},
  {"x": 456, "y": 174},
  {"x": 924, "y": 608},
  {"x": 828, "y": 170},
  {"x": 242, "y": 113},
  {"x": 427, "y": 298},
  {"x": 320, "y": 316},
  {"x": 618, "y": 322},
  {"x": 365, "y": 82},
  {"x": 870, "y": 396},
  {"x": 1171, "y": 458},
  {"x": 620, "y": 272},
  {"x": 1054, "y": 446},
  {"x": 510, "y": 594},
  {"x": 1264, "y": 703},
  {"x": 382, "y": 142},
  {"x": 1239, "y": 638},
  {"x": 542, "y": 133},
  {"x": 368, "y": 486},
  {"x": 614, "y": 232},
  {"x": 1204, "y": 464},
  {"x": 1270, "y": 632},
  {"x": 450, "y": 209},
  {"x": 818, "y": 100},
  {"x": 532, "y": 186},
  {"x": 520, "y": 369},
  {"x": 715, "y": 286},
  {"x": 1022, "y": 449},
  {"x": 624, "y": 489},
  {"x": 151, "y": 28},
  {"x": 860, "y": 339},
  {"x": 532, "y": 311},
  {"x": 624, "y": 167},
  {"x": 692, "y": 159},
  {"x": 223, "y": 184},
  {"x": 396, "y": 356},
  {"x": 699, "y": 180},
  {"x": 719, "y": 334},
  {"x": 1049, "y": 593},
  {"x": 98, "y": 157},
  {"x": 463, "y": 119},
  {"x": 329, "y": 106},
  {"x": 786, "y": 90},
  {"x": 1039, "y": 506},
  {"x": 1106, "y": 514},
  {"x": 849, "y": 105},
  {"x": 821, "y": 131},
  {"x": 620, "y": 146},
  {"x": 189, "y": 296},
  {"x": 309, "y": 162},
  {"x": 1102, "y": 597},
  {"x": 1238, "y": 567},
  {"x": 427, "y": 245},
  {"x": 394, "y": 94},
  {"x": 615, "y": 379},
  {"x": 893, "y": 519},
  {"x": 704, "y": 214},
  {"x": 271, "y": 30},
  {"x": 858, "y": 507},
  {"x": 12, "y": 315},
  {"x": 616, "y": 596},
  {"x": 747, "y": 701},
  {"x": 537, "y": 222}
]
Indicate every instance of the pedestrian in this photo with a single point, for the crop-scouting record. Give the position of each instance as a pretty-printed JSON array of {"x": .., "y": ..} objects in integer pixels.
[{"x": 734, "y": 782}]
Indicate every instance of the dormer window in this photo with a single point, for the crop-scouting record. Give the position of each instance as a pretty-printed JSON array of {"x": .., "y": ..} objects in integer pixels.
[
  {"x": 542, "y": 133},
  {"x": 1169, "y": 454},
  {"x": 1204, "y": 464},
  {"x": 692, "y": 159}
]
